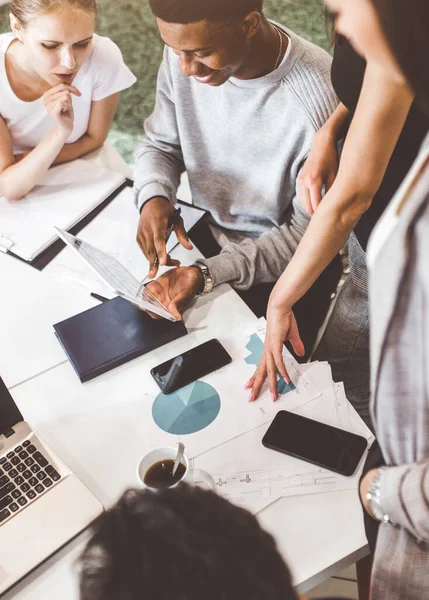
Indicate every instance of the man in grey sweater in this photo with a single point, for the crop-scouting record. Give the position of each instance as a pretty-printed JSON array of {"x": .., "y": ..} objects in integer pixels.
[{"x": 239, "y": 99}]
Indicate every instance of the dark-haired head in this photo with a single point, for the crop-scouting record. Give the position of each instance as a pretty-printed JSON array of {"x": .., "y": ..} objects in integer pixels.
[
  {"x": 393, "y": 33},
  {"x": 406, "y": 27},
  {"x": 218, "y": 39},
  {"x": 181, "y": 543},
  {"x": 192, "y": 11}
]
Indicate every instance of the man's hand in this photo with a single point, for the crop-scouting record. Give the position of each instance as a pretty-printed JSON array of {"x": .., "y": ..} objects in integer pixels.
[
  {"x": 364, "y": 487},
  {"x": 152, "y": 230},
  {"x": 176, "y": 289}
]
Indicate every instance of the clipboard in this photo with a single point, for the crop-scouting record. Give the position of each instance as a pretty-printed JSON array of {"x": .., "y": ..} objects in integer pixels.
[{"x": 54, "y": 245}]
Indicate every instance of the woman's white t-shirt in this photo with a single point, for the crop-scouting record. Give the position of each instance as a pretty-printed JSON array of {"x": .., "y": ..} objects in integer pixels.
[{"x": 104, "y": 73}]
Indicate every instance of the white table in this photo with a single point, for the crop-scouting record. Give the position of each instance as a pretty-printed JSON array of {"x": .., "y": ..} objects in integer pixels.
[{"x": 93, "y": 426}]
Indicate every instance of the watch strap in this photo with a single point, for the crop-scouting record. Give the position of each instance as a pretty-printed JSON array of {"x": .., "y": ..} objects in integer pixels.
[{"x": 208, "y": 279}]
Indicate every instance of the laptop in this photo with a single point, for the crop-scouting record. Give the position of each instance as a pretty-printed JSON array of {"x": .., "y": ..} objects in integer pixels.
[{"x": 43, "y": 504}]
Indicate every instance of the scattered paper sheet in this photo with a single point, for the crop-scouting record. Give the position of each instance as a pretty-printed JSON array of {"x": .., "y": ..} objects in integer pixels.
[{"x": 252, "y": 476}]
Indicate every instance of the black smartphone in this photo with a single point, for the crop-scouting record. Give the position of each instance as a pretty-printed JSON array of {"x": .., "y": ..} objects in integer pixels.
[
  {"x": 323, "y": 445},
  {"x": 190, "y": 366}
]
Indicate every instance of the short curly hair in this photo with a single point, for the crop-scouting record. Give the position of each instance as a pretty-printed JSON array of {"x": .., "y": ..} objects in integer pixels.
[
  {"x": 192, "y": 11},
  {"x": 184, "y": 543}
]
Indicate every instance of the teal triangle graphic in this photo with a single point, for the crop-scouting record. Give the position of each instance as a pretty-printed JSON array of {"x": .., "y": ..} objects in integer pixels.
[
  {"x": 200, "y": 394},
  {"x": 166, "y": 409},
  {"x": 172, "y": 415},
  {"x": 198, "y": 416},
  {"x": 256, "y": 348},
  {"x": 283, "y": 387},
  {"x": 185, "y": 393}
]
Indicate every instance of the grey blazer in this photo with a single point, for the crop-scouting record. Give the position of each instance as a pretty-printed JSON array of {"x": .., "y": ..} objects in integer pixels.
[{"x": 399, "y": 309}]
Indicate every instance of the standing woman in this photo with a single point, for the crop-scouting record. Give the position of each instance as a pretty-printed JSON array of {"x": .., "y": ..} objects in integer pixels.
[
  {"x": 60, "y": 86},
  {"x": 395, "y": 36},
  {"x": 385, "y": 130}
]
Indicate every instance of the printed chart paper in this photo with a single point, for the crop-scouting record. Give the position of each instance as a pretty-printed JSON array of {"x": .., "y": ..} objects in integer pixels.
[
  {"x": 216, "y": 409},
  {"x": 252, "y": 476}
]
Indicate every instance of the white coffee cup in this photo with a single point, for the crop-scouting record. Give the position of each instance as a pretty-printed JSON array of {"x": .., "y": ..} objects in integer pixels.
[{"x": 191, "y": 475}]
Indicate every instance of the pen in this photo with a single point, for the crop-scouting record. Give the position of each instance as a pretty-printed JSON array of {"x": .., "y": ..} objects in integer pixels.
[
  {"x": 171, "y": 225},
  {"x": 174, "y": 219},
  {"x": 98, "y": 297}
]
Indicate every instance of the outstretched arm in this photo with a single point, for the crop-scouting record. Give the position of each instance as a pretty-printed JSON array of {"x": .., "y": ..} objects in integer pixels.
[
  {"x": 377, "y": 124},
  {"x": 380, "y": 116}
]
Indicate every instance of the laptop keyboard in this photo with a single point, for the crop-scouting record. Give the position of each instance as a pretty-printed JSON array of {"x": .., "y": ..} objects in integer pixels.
[{"x": 25, "y": 474}]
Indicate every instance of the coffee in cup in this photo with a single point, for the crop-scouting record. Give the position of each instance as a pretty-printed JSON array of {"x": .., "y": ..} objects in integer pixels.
[
  {"x": 155, "y": 470},
  {"x": 160, "y": 475}
]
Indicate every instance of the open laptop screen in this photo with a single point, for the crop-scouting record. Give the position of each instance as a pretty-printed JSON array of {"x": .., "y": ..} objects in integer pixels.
[{"x": 9, "y": 413}]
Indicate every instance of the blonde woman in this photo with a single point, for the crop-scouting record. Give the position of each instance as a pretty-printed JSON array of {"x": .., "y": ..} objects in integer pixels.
[{"x": 60, "y": 86}]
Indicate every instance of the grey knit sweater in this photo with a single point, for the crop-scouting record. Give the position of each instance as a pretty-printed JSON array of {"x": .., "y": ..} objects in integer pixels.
[{"x": 242, "y": 145}]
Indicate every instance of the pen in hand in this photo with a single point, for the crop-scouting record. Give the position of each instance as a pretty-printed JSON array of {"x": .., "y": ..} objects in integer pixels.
[
  {"x": 173, "y": 221},
  {"x": 171, "y": 225}
]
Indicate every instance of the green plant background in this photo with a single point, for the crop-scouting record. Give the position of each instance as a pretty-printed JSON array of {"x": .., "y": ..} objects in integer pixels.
[{"x": 132, "y": 26}]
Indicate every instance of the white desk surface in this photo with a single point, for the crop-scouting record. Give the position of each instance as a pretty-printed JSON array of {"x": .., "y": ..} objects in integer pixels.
[
  {"x": 92, "y": 425},
  {"x": 31, "y": 302}
]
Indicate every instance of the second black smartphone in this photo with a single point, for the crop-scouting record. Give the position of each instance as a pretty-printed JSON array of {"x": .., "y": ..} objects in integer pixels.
[
  {"x": 317, "y": 443},
  {"x": 190, "y": 366}
]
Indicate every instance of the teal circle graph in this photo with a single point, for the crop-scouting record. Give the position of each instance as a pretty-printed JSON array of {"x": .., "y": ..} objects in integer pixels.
[{"x": 188, "y": 410}]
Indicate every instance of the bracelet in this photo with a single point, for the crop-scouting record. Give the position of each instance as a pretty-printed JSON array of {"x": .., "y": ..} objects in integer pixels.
[{"x": 373, "y": 497}]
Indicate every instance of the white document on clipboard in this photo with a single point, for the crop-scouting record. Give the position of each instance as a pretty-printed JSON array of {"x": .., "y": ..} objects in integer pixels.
[
  {"x": 115, "y": 275},
  {"x": 66, "y": 194}
]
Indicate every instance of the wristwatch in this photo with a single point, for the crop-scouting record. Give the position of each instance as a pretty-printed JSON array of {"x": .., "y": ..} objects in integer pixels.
[
  {"x": 373, "y": 497},
  {"x": 208, "y": 280}
]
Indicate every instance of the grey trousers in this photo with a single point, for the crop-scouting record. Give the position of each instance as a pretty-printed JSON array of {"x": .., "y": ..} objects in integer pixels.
[{"x": 345, "y": 343}]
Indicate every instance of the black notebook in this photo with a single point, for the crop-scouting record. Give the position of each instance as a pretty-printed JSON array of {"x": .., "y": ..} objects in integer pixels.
[{"x": 111, "y": 334}]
